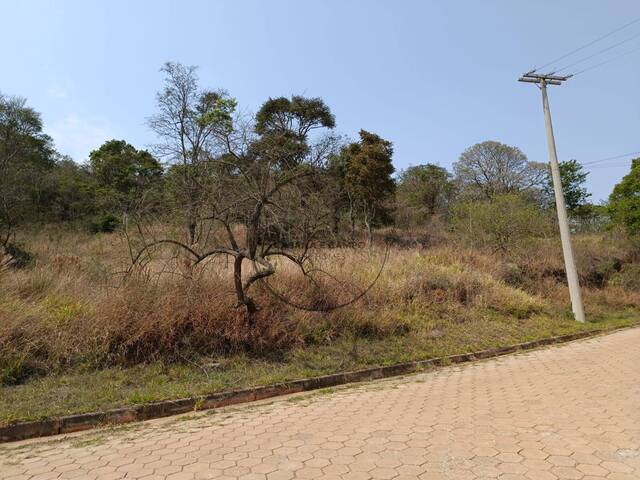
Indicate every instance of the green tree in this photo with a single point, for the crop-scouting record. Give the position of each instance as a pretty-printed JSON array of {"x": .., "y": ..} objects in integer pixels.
[
  {"x": 624, "y": 201},
  {"x": 26, "y": 154},
  {"x": 425, "y": 190},
  {"x": 260, "y": 199},
  {"x": 122, "y": 173},
  {"x": 283, "y": 126},
  {"x": 364, "y": 171},
  {"x": 573, "y": 178},
  {"x": 69, "y": 193},
  {"x": 296, "y": 116}
]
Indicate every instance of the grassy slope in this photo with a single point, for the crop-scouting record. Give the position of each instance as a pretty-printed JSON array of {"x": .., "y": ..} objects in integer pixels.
[
  {"x": 78, "y": 392},
  {"x": 61, "y": 314}
]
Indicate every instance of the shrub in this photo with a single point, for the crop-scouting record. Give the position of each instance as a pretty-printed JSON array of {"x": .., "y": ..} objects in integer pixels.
[
  {"x": 15, "y": 256},
  {"x": 500, "y": 223},
  {"x": 628, "y": 277},
  {"x": 11, "y": 371},
  {"x": 624, "y": 201},
  {"x": 106, "y": 223}
]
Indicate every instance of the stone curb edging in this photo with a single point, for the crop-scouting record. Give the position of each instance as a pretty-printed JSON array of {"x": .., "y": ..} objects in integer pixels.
[{"x": 165, "y": 408}]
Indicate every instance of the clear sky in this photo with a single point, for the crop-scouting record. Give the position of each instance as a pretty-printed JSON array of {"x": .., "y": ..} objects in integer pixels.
[{"x": 434, "y": 77}]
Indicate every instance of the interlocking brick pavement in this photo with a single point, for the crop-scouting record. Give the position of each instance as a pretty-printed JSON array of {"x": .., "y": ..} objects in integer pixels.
[{"x": 566, "y": 412}]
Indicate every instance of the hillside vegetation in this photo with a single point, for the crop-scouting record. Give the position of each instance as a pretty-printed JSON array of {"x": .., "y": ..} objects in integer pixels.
[
  {"x": 246, "y": 249},
  {"x": 70, "y": 315}
]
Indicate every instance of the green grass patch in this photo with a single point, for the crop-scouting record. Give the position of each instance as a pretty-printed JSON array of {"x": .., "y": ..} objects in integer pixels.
[{"x": 452, "y": 333}]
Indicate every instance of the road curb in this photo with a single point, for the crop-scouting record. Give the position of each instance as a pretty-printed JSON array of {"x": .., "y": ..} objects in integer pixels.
[{"x": 165, "y": 408}]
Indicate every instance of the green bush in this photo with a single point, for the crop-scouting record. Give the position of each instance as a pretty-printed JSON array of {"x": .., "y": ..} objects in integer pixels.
[
  {"x": 500, "y": 223},
  {"x": 628, "y": 277},
  {"x": 14, "y": 370},
  {"x": 106, "y": 223},
  {"x": 20, "y": 258},
  {"x": 624, "y": 201}
]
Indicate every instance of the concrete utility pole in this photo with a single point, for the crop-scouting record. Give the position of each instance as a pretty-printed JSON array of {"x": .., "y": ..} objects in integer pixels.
[{"x": 565, "y": 235}]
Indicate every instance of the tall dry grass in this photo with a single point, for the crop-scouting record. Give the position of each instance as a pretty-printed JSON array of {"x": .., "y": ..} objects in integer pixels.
[{"x": 74, "y": 309}]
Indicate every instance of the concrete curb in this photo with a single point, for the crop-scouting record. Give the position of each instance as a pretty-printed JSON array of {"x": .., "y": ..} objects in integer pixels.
[{"x": 165, "y": 408}]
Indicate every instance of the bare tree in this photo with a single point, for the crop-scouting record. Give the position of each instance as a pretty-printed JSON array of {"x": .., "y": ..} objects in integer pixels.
[
  {"x": 189, "y": 121},
  {"x": 488, "y": 169},
  {"x": 257, "y": 187}
]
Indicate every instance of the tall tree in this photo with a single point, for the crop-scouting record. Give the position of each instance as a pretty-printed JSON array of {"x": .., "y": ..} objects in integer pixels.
[
  {"x": 624, "y": 201},
  {"x": 364, "y": 170},
  {"x": 189, "y": 124},
  {"x": 260, "y": 201},
  {"x": 573, "y": 177},
  {"x": 490, "y": 168},
  {"x": 25, "y": 153},
  {"x": 425, "y": 189}
]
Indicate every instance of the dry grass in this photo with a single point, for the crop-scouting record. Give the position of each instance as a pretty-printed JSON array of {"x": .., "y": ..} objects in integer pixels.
[{"x": 71, "y": 312}]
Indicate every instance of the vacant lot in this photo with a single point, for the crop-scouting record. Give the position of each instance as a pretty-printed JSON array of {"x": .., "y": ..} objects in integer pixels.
[{"x": 77, "y": 335}]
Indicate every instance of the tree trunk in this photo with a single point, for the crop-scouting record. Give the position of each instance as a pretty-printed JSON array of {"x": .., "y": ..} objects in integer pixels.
[
  {"x": 192, "y": 231},
  {"x": 243, "y": 300}
]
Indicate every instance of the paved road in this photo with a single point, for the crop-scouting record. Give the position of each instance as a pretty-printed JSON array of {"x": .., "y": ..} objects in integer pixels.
[{"x": 567, "y": 412}]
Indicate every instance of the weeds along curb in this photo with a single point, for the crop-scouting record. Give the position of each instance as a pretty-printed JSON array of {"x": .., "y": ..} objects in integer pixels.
[{"x": 165, "y": 408}]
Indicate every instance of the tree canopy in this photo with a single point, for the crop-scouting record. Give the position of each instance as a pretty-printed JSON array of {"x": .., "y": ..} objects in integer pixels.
[
  {"x": 190, "y": 124},
  {"x": 624, "y": 201},
  {"x": 573, "y": 178},
  {"x": 491, "y": 168},
  {"x": 298, "y": 116},
  {"x": 363, "y": 171},
  {"x": 281, "y": 175},
  {"x": 117, "y": 165},
  {"x": 427, "y": 189},
  {"x": 25, "y": 153}
]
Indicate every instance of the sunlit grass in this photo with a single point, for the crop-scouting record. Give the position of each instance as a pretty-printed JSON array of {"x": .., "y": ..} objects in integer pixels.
[{"x": 75, "y": 338}]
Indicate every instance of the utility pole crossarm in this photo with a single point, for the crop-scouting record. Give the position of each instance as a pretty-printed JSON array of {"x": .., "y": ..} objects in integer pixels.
[
  {"x": 539, "y": 80},
  {"x": 549, "y": 79},
  {"x": 548, "y": 76},
  {"x": 563, "y": 223}
]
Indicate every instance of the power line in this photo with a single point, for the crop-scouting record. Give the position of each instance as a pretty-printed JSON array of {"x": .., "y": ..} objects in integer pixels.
[
  {"x": 620, "y": 165},
  {"x": 598, "y": 53},
  {"x": 607, "y": 61},
  {"x": 592, "y": 162},
  {"x": 607, "y": 35}
]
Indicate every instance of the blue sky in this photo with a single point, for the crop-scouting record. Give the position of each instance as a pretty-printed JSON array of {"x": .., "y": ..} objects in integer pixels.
[{"x": 434, "y": 77}]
